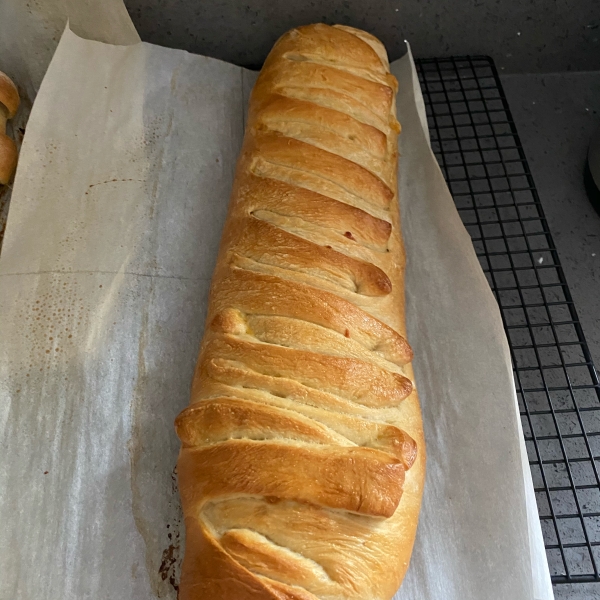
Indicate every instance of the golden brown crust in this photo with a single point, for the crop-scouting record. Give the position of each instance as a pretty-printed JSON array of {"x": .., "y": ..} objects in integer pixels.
[
  {"x": 320, "y": 307},
  {"x": 302, "y": 464},
  {"x": 269, "y": 151},
  {"x": 9, "y": 103},
  {"x": 286, "y": 592},
  {"x": 361, "y": 480},
  {"x": 270, "y": 198},
  {"x": 212, "y": 573},
  {"x": 268, "y": 244},
  {"x": 220, "y": 419},
  {"x": 8, "y": 158},
  {"x": 9, "y": 95},
  {"x": 356, "y": 380}
]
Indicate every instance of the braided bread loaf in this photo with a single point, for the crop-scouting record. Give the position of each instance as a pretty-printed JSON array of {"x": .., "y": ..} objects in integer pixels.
[{"x": 302, "y": 459}]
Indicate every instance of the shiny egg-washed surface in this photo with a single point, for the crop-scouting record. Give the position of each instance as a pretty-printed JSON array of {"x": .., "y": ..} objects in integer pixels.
[{"x": 302, "y": 460}]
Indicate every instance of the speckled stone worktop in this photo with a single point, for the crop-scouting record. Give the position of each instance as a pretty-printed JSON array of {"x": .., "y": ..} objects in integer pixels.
[
  {"x": 523, "y": 36},
  {"x": 555, "y": 115}
]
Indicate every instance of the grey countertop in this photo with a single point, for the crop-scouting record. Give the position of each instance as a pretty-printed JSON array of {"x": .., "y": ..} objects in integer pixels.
[
  {"x": 555, "y": 115},
  {"x": 523, "y": 36}
]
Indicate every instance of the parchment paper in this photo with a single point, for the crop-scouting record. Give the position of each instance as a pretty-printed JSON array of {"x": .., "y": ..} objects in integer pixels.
[
  {"x": 464, "y": 547},
  {"x": 29, "y": 34},
  {"x": 117, "y": 211}
]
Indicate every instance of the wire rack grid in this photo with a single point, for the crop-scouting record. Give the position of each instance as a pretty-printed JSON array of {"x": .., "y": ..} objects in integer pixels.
[{"x": 477, "y": 146}]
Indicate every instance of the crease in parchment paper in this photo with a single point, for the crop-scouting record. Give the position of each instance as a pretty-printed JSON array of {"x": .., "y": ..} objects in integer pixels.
[{"x": 96, "y": 362}]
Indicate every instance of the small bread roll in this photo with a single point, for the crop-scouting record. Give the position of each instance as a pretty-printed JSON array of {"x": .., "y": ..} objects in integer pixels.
[{"x": 9, "y": 104}]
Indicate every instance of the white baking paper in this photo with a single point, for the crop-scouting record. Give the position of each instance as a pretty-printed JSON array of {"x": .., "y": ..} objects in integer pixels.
[
  {"x": 479, "y": 521},
  {"x": 118, "y": 205},
  {"x": 29, "y": 34}
]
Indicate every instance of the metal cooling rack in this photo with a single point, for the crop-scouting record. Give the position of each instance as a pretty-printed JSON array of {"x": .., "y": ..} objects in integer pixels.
[{"x": 477, "y": 146}]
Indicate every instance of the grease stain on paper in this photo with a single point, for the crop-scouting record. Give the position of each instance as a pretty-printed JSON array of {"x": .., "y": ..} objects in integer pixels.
[{"x": 162, "y": 544}]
